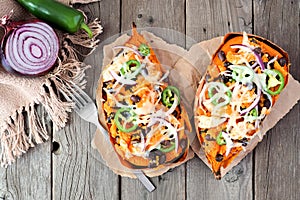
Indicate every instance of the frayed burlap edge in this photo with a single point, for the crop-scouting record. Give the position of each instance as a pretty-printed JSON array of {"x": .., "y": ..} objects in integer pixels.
[{"x": 15, "y": 137}]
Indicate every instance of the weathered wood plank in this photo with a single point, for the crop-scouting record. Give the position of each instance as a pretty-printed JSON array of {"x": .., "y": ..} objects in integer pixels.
[
  {"x": 157, "y": 15},
  {"x": 207, "y": 19},
  {"x": 204, "y": 20},
  {"x": 277, "y": 158},
  {"x": 161, "y": 14},
  {"x": 78, "y": 172},
  {"x": 30, "y": 176}
]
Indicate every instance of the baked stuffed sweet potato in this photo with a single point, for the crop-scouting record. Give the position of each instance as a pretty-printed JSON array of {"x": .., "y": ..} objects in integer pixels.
[{"x": 244, "y": 80}]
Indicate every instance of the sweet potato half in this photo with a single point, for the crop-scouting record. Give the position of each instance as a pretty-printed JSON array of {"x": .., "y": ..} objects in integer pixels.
[
  {"x": 146, "y": 126},
  {"x": 240, "y": 87}
]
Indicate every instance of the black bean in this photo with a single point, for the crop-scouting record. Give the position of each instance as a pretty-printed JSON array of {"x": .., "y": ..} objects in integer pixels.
[
  {"x": 128, "y": 87},
  {"x": 152, "y": 164},
  {"x": 110, "y": 117},
  {"x": 155, "y": 153},
  {"x": 226, "y": 64},
  {"x": 267, "y": 103},
  {"x": 244, "y": 144},
  {"x": 265, "y": 96},
  {"x": 108, "y": 84},
  {"x": 219, "y": 157},
  {"x": 259, "y": 109},
  {"x": 207, "y": 77},
  {"x": 162, "y": 159},
  {"x": 222, "y": 55},
  {"x": 203, "y": 131},
  {"x": 166, "y": 143},
  {"x": 135, "y": 98},
  {"x": 175, "y": 113},
  {"x": 282, "y": 61},
  {"x": 255, "y": 88},
  {"x": 146, "y": 131},
  {"x": 244, "y": 140},
  {"x": 126, "y": 114},
  {"x": 257, "y": 50},
  {"x": 253, "y": 40},
  {"x": 209, "y": 138},
  {"x": 218, "y": 175},
  {"x": 225, "y": 79}
]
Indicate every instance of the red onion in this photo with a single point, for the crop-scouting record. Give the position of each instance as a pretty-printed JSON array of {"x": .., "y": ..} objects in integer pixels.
[
  {"x": 254, "y": 65},
  {"x": 247, "y": 48},
  {"x": 255, "y": 102},
  {"x": 171, "y": 128},
  {"x": 121, "y": 79},
  {"x": 129, "y": 48},
  {"x": 29, "y": 48}
]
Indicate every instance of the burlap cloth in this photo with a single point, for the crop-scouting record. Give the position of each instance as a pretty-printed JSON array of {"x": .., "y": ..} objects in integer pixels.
[{"x": 20, "y": 125}]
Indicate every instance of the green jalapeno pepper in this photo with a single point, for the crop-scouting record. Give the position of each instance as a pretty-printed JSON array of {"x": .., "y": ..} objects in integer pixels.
[
  {"x": 252, "y": 115},
  {"x": 220, "y": 139},
  {"x": 58, "y": 14},
  {"x": 144, "y": 49},
  {"x": 242, "y": 74},
  {"x": 220, "y": 93},
  {"x": 253, "y": 112},
  {"x": 168, "y": 95},
  {"x": 125, "y": 120},
  {"x": 167, "y": 149},
  {"x": 275, "y": 79},
  {"x": 130, "y": 67}
]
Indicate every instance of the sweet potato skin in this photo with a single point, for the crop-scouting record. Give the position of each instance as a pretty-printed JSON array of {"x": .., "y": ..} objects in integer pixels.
[
  {"x": 137, "y": 162},
  {"x": 211, "y": 148}
]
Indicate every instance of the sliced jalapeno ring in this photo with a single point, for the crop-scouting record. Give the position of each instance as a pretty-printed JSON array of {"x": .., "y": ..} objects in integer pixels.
[
  {"x": 217, "y": 88},
  {"x": 252, "y": 115},
  {"x": 125, "y": 120},
  {"x": 242, "y": 74},
  {"x": 275, "y": 79},
  {"x": 253, "y": 112},
  {"x": 168, "y": 95},
  {"x": 144, "y": 49},
  {"x": 220, "y": 139},
  {"x": 131, "y": 69},
  {"x": 168, "y": 149}
]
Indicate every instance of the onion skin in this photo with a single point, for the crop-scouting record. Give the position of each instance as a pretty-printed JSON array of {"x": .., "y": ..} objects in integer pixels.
[{"x": 28, "y": 48}]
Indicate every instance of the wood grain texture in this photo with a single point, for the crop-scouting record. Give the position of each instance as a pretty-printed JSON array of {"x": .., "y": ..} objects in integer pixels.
[
  {"x": 78, "y": 172},
  {"x": 163, "y": 14},
  {"x": 216, "y": 18},
  {"x": 206, "y": 19},
  {"x": 75, "y": 170},
  {"x": 30, "y": 173},
  {"x": 277, "y": 158},
  {"x": 168, "y": 14}
]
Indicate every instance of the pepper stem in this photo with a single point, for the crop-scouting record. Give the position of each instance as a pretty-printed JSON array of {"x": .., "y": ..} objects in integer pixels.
[{"x": 86, "y": 29}]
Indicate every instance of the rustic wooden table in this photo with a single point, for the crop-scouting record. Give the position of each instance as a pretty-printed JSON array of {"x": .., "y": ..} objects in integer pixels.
[{"x": 70, "y": 169}]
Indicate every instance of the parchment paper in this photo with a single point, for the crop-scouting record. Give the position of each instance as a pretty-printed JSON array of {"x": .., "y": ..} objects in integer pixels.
[
  {"x": 168, "y": 55},
  {"x": 200, "y": 55},
  {"x": 188, "y": 68}
]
